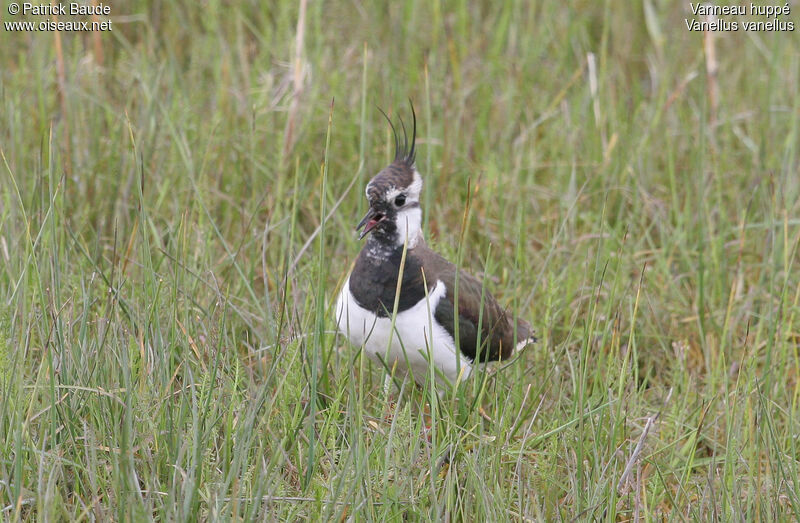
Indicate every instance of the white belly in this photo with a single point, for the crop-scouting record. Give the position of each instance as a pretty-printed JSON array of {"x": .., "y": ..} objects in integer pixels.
[{"x": 416, "y": 339}]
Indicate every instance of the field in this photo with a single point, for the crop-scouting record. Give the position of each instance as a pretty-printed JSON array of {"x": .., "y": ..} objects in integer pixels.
[{"x": 179, "y": 196}]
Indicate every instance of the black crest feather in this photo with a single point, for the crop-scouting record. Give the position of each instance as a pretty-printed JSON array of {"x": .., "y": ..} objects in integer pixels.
[{"x": 405, "y": 152}]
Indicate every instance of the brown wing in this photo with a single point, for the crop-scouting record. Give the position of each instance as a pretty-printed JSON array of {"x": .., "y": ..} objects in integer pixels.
[{"x": 497, "y": 336}]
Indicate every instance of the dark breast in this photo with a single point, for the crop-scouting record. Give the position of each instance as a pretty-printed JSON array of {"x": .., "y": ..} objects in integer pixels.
[{"x": 374, "y": 281}]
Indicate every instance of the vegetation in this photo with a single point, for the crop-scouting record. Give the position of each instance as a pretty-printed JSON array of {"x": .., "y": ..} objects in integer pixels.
[{"x": 178, "y": 203}]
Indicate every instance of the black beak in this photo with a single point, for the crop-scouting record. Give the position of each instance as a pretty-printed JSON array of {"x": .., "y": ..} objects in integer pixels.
[{"x": 371, "y": 220}]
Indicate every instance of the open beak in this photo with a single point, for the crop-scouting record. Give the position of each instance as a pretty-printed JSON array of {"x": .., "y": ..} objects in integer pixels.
[{"x": 371, "y": 220}]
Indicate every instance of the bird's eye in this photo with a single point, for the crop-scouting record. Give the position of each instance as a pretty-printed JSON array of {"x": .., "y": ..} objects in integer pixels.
[{"x": 400, "y": 200}]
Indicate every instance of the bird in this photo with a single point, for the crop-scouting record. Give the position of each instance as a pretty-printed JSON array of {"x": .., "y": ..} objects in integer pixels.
[{"x": 408, "y": 330}]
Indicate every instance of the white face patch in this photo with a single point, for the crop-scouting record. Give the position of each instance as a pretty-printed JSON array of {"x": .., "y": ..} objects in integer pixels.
[
  {"x": 409, "y": 219},
  {"x": 409, "y": 226}
]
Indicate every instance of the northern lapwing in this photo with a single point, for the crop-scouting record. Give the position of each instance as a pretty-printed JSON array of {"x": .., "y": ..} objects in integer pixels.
[{"x": 426, "y": 312}]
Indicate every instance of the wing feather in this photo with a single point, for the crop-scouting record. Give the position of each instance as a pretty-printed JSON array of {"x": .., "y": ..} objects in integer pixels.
[{"x": 497, "y": 333}]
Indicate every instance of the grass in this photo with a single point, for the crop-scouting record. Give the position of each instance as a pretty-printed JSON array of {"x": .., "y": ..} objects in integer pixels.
[{"x": 178, "y": 203}]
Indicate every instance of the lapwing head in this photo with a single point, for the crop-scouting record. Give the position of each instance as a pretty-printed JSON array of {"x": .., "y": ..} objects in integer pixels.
[{"x": 394, "y": 214}]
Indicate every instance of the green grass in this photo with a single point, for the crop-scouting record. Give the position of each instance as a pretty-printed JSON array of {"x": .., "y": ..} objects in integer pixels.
[{"x": 177, "y": 217}]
